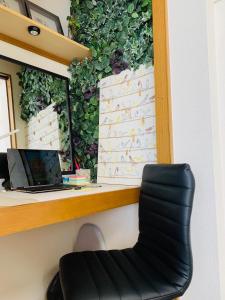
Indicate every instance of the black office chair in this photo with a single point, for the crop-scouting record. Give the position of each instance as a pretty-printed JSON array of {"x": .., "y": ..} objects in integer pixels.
[{"x": 159, "y": 266}]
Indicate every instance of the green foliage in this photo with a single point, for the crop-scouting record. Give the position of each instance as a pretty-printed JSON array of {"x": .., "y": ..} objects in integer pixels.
[
  {"x": 104, "y": 26},
  {"x": 39, "y": 90}
]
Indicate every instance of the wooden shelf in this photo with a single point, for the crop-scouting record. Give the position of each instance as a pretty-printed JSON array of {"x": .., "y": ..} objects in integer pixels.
[
  {"x": 20, "y": 212},
  {"x": 50, "y": 44}
]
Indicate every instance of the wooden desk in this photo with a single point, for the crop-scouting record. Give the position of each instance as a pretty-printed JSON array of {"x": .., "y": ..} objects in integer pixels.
[{"x": 21, "y": 212}]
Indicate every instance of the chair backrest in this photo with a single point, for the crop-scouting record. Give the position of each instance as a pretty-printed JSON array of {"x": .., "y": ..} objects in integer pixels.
[{"x": 164, "y": 221}]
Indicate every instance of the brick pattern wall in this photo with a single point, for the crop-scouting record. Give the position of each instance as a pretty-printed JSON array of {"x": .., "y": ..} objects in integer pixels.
[
  {"x": 127, "y": 132},
  {"x": 43, "y": 130}
]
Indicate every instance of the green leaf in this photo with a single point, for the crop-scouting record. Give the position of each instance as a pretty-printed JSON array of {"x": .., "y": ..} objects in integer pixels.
[
  {"x": 99, "y": 66},
  {"x": 145, "y": 3},
  {"x": 96, "y": 134},
  {"x": 108, "y": 69},
  {"x": 130, "y": 8},
  {"x": 89, "y": 4},
  {"x": 94, "y": 52},
  {"x": 134, "y": 15},
  {"x": 100, "y": 76}
]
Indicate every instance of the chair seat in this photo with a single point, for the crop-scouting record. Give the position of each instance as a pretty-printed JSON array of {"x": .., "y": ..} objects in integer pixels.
[{"x": 115, "y": 274}]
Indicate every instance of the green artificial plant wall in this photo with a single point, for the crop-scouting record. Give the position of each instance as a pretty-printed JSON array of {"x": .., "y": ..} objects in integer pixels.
[{"x": 119, "y": 34}]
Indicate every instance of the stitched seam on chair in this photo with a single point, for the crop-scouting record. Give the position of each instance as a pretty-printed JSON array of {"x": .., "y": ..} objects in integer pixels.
[
  {"x": 160, "y": 274},
  {"x": 170, "y": 255},
  {"x": 147, "y": 220},
  {"x": 141, "y": 272},
  {"x": 91, "y": 275},
  {"x": 148, "y": 198},
  {"x": 162, "y": 297},
  {"x": 144, "y": 216},
  {"x": 122, "y": 271},
  {"x": 167, "y": 184},
  {"x": 163, "y": 199},
  {"x": 61, "y": 278},
  {"x": 109, "y": 275},
  {"x": 161, "y": 247},
  {"x": 152, "y": 227},
  {"x": 147, "y": 237},
  {"x": 191, "y": 260},
  {"x": 164, "y": 203},
  {"x": 165, "y": 218},
  {"x": 168, "y": 236},
  {"x": 166, "y": 264},
  {"x": 145, "y": 224}
]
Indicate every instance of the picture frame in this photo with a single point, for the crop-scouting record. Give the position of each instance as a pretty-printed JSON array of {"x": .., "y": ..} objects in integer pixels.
[
  {"x": 43, "y": 16},
  {"x": 16, "y": 5}
]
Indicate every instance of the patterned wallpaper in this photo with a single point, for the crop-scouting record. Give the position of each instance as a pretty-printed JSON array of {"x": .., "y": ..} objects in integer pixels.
[
  {"x": 127, "y": 132},
  {"x": 43, "y": 130}
]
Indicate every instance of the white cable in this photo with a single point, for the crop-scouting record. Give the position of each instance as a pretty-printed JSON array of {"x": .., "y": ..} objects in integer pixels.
[{"x": 8, "y": 134}]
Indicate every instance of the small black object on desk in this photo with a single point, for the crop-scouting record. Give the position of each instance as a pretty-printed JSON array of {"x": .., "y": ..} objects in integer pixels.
[{"x": 4, "y": 171}]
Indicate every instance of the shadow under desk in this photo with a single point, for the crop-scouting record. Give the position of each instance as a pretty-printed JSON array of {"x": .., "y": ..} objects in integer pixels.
[{"x": 20, "y": 211}]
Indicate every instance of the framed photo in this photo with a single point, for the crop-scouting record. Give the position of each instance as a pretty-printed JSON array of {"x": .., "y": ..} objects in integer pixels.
[
  {"x": 44, "y": 17},
  {"x": 17, "y": 5}
]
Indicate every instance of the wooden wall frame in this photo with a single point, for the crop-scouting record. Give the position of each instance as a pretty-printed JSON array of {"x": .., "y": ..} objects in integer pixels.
[
  {"x": 9, "y": 90},
  {"x": 162, "y": 82}
]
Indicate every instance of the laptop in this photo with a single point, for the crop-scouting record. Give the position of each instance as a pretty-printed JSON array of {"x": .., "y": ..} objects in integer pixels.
[{"x": 35, "y": 171}]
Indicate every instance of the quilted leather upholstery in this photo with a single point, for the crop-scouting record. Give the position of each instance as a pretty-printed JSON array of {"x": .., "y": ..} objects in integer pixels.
[{"x": 159, "y": 266}]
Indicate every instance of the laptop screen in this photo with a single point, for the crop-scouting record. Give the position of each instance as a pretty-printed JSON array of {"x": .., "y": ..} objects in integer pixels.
[{"x": 33, "y": 167}]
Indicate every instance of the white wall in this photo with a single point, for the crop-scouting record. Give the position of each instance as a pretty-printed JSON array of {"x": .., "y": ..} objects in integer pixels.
[
  {"x": 29, "y": 260},
  {"x": 4, "y": 116},
  {"x": 12, "y": 70},
  {"x": 193, "y": 140},
  {"x": 32, "y": 59},
  {"x": 216, "y": 32}
]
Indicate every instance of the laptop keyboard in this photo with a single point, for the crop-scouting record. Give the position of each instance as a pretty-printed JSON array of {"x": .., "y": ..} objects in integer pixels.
[{"x": 44, "y": 189}]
